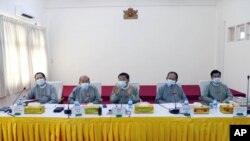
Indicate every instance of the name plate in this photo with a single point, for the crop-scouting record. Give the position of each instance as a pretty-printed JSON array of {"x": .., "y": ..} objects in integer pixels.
[
  {"x": 77, "y": 111},
  {"x": 187, "y": 110},
  {"x": 18, "y": 110},
  {"x": 240, "y": 111},
  {"x": 119, "y": 111}
]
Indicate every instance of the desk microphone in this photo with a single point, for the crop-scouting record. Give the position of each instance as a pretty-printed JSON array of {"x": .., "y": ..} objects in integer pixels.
[
  {"x": 100, "y": 111},
  {"x": 8, "y": 110},
  {"x": 68, "y": 111},
  {"x": 175, "y": 110},
  {"x": 24, "y": 88}
]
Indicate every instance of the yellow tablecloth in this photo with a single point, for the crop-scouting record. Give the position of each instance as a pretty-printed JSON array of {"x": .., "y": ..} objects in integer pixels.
[{"x": 117, "y": 129}]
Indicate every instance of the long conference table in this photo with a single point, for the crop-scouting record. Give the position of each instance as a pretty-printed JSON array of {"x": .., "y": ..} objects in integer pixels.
[{"x": 159, "y": 126}]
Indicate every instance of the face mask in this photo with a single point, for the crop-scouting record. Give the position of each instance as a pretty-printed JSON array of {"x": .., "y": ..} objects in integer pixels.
[
  {"x": 85, "y": 86},
  {"x": 40, "y": 82},
  {"x": 122, "y": 84},
  {"x": 216, "y": 80},
  {"x": 170, "y": 82}
]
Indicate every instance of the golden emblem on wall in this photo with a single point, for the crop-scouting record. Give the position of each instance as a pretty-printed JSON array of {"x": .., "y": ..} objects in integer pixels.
[{"x": 130, "y": 14}]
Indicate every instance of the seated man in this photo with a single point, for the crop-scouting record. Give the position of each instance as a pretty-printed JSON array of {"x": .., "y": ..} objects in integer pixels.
[
  {"x": 123, "y": 91},
  {"x": 216, "y": 90},
  {"x": 84, "y": 92},
  {"x": 43, "y": 92},
  {"x": 170, "y": 92}
]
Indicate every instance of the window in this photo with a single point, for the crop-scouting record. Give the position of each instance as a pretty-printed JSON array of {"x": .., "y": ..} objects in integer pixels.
[
  {"x": 248, "y": 31},
  {"x": 231, "y": 34},
  {"x": 241, "y": 34}
]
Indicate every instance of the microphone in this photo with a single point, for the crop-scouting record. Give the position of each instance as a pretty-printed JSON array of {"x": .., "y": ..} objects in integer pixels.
[
  {"x": 100, "y": 111},
  {"x": 248, "y": 109},
  {"x": 68, "y": 111},
  {"x": 8, "y": 110},
  {"x": 175, "y": 110},
  {"x": 24, "y": 88}
]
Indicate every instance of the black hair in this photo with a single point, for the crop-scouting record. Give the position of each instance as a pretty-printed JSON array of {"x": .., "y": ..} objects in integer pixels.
[
  {"x": 173, "y": 73},
  {"x": 41, "y": 74},
  {"x": 214, "y": 72},
  {"x": 124, "y": 74}
]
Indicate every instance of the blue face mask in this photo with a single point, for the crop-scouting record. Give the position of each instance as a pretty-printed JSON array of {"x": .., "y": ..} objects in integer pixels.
[
  {"x": 170, "y": 82},
  {"x": 40, "y": 82},
  {"x": 85, "y": 86},
  {"x": 216, "y": 80},
  {"x": 122, "y": 84}
]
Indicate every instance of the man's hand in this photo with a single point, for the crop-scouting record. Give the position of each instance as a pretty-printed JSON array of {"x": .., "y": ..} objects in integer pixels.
[
  {"x": 129, "y": 90},
  {"x": 116, "y": 90}
]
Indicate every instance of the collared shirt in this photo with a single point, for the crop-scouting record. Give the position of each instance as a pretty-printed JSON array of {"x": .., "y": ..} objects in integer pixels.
[
  {"x": 90, "y": 95},
  {"x": 170, "y": 94},
  {"x": 211, "y": 92},
  {"x": 122, "y": 97},
  {"x": 45, "y": 94}
]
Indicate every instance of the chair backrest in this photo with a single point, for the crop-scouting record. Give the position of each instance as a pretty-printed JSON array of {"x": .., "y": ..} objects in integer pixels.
[
  {"x": 136, "y": 85},
  {"x": 59, "y": 87},
  {"x": 203, "y": 84},
  {"x": 98, "y": 85},
  {"x": 163, "y": 83}
]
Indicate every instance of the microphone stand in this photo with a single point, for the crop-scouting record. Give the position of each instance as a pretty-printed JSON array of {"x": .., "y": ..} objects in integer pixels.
[
  {"x": 24, "y": 88},
  {"x": 9, "y": 110},
  {"x": 175, "y": 110}
]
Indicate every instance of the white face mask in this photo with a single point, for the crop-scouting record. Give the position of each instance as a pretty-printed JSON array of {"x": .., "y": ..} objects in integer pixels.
[
  {"x": 216, "y": 80},
  {"x": 122, "y": 84},
  {"x": 170, "y": 82},
  {"x": 85, "y": 86},
  {"x": 40, "y": 82}
]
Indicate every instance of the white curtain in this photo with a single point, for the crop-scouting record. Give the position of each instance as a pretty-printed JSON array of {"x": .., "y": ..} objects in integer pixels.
[
  {"x": 21, "y": 45},
  {"x": 38, "y": 53}
]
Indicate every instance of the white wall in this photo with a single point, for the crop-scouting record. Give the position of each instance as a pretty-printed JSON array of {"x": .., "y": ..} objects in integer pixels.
[
  {"x": 86, "y": 36},
  {"x": 95, "y": 40},
  {"x": 32, "y": 7},
  {"x": 236, "y": 59}
]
